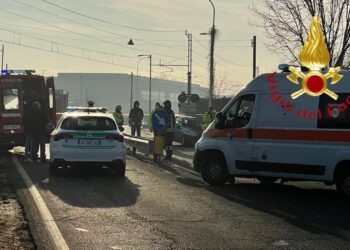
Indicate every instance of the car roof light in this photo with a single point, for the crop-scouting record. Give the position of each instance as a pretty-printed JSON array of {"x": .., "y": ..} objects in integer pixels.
[{"x": 87, "y": 109}]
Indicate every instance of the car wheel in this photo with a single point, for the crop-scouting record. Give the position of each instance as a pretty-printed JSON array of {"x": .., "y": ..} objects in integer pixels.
[
  {"x": 267, "y": 180},
  {"x": 118, "y": 169},
  {"x": 214, "y": 170},
  {"x": 343, "y": 184},
  {"x": 53, "y": 169}
]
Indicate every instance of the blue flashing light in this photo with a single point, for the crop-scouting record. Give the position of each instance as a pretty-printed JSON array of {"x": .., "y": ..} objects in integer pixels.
[{"x": 23, "y": 72}]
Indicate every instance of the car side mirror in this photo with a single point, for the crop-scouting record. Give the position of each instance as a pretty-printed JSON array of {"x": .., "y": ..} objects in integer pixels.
[{"x": 219, "y": 120}]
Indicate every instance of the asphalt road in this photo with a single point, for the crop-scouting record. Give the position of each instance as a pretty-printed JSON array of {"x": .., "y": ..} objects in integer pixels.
[{"x": 157, "y": 207}]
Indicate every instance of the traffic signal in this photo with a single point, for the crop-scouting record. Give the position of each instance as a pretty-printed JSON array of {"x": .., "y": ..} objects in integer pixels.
[
  {"x": 182, "y": 97},
  {"x": 192, "y": 97}
]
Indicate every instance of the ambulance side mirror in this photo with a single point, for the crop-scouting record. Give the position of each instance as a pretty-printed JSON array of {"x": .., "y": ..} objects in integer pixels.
[{"x": 219, "y": 120}]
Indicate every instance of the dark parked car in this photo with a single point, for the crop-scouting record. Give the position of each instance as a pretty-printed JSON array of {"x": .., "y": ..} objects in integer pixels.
[{"x": 187, "y": 130}]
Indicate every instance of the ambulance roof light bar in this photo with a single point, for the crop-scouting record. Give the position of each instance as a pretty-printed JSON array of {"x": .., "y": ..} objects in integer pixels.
[{"x": 17, "y": 71}]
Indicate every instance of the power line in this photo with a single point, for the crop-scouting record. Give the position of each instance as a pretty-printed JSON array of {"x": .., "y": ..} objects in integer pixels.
[
  {"x": 109, "y": 22},
  {"x": 236, "y": 64},
  {"x": 64, "y": 44},
  {"x": 92, "y": 27},
  {"x": 84, "y": 58},
  {"x": 81, "y": 34},
  {"x": 63, "y": 53}
]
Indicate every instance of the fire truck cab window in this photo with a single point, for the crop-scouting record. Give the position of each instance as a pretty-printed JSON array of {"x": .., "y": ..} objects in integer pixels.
[{"x": 10, "y": 99}]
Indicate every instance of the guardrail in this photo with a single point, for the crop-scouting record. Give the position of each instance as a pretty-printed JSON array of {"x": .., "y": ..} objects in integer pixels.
[{"x": 141, "y": 144}]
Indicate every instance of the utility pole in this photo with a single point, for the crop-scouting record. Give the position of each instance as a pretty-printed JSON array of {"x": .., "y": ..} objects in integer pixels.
[
  {"x": 2, "y": 57},
  {"x": 150, "y": 81},
  {"x": 81, "y": 91},
  {"x": 212, "y": 41},
  {"x": 188, "y": 65},
  {"x": 211, "y": 83},
  {"x": 86, "y": 95},
  {"x": 131, "y": 88},
  {"x": 150, "y": 85},
  {"x": 254, "y": 56}
]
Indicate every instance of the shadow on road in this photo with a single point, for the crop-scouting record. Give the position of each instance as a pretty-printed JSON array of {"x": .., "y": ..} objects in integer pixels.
[
  {"x": 319, "y": 211},
  {"x": 94, "y": 189}
]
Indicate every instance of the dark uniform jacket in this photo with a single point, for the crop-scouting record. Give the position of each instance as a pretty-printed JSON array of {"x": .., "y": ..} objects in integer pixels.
[{"x": 135, "y": 116}]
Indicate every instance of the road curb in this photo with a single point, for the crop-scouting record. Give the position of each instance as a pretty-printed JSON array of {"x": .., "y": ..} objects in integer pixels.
[{"x": 45, "y": 214}]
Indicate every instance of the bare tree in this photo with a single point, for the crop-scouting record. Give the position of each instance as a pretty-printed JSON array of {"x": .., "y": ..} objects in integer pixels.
[
  {"x": 222, "y": 85},
  {"x": 286, "y": 23}
]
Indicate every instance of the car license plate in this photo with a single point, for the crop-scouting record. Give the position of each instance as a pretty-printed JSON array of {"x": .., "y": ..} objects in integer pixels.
[{"x": 89, "y": 142}]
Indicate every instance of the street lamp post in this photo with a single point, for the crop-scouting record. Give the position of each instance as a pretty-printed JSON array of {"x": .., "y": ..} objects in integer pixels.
[
  {"x": 137, "y": 76},
  {"x": 150, "y": 82}
]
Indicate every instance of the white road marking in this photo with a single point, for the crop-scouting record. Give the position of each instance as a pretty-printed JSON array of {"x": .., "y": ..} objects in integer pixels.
[
  {"x": 81, "y": 229},
  {"x": 46, "y": 216},
  {"x": 280, "y": 243},
  {"x": 115, "y": 247}
]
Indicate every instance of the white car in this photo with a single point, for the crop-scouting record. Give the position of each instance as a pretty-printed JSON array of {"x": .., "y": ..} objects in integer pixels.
[{"x": 87, "y": 137}]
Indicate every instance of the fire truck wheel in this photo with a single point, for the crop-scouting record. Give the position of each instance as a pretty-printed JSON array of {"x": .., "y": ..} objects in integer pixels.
[
  {"x": 214, "y": 170},
  {"x": 267, "y": 180},
  {"x": 343, "y": 184}
]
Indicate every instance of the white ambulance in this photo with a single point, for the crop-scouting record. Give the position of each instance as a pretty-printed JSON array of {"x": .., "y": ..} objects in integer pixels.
[{"x": 266, "y": 134}]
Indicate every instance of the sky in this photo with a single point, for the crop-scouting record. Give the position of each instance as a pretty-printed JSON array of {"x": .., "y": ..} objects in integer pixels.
[{"x": 39, "y": 35}]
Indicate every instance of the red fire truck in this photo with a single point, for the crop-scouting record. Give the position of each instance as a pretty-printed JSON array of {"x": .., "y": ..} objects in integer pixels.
[{"x": 18, "y": 90}]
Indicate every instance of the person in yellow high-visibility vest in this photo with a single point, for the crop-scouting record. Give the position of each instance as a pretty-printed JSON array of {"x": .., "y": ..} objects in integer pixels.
[
  {"x": 208, "y": 117},
  {"x": 118, "y": 116}
]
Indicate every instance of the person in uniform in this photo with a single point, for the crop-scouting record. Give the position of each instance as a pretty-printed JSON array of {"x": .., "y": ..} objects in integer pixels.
[
  {"x": 169, "y": 131},
  {"x": 38, "y": 127},
  {"x": 208, "y": 117},
  {"x": 118, "y": 116},
  {"x": 135, "y": 119},
  {"x": 91, "y": 103}
]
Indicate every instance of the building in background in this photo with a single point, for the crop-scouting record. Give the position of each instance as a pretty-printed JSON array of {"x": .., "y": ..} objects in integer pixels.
[
  {"x": 107, "y": 89},
  {"x": 61, "y": 100}
]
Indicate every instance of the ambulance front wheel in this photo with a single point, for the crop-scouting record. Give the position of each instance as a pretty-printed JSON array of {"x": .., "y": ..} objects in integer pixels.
[
  {"x": 343, "y": 184},
  {"x": 214, "y": 170}
]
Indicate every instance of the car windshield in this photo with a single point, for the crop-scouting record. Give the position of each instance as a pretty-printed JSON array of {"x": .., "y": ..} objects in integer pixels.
[{"x": 88, "y": 123}]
